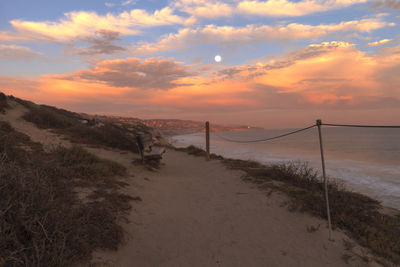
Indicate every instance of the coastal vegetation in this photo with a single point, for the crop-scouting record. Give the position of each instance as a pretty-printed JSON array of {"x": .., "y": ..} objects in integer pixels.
[
  {"x": 56, "y": 206},
  {"x": 43, "y": 219},
  {"x": 3, "y": 102},
  {"x": 70, "y": 125}
]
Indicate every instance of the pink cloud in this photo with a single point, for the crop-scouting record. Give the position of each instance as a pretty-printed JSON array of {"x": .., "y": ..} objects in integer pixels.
[
  {"x": 16, "y": 52},
  {"x": 331, "y": 79}
]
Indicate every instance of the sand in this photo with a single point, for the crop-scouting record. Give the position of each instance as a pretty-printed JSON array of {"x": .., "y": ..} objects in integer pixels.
[{"x": 199, "y": 213}]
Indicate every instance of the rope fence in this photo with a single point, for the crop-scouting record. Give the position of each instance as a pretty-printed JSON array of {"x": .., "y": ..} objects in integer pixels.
[
  {"x": 319, "y": 125},
  {"x": 362, "y": 126},
  {"x": 267, "y": 139}
]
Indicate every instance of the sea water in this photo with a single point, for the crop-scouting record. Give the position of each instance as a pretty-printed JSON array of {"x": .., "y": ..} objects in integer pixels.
[{"x": 367, "y": 160}]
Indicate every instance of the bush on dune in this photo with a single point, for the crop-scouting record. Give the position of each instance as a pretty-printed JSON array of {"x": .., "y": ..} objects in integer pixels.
[
  {"x": 108, "y": 134},
  {"x": 68, "y": 123},
  {"x": 3, "y": 102},
  {"x": 46, "y": 118},
  {"x": 42, "y": 220}
]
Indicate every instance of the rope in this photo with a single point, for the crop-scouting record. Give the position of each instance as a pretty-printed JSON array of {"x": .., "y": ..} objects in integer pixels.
[
  {"x": 266, "y": 139},
  {"x": 361, "y": 126}
]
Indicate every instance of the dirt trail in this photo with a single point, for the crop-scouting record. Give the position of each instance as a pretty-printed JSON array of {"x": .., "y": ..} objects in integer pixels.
[{"x": 198, "y": 213}]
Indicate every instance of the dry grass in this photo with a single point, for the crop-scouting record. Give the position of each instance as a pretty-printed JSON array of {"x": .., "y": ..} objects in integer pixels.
[
  {"x": 42, "y": 221},
  {"x": 107, "y": 135},
  {"x": 195, "y": 151},
  {"x": 68, "y": 124},
  {"x": 355, "y": 213}
]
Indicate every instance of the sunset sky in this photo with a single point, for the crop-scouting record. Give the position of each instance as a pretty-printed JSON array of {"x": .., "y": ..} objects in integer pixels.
[{"x": 284, "y": 63}]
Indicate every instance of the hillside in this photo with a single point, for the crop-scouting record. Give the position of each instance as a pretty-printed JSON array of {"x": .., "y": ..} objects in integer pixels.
[{"x": 59, "y": 201}]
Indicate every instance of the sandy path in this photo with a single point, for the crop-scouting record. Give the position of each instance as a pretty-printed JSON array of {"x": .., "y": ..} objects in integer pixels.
[{"x": 198, "y": 213}]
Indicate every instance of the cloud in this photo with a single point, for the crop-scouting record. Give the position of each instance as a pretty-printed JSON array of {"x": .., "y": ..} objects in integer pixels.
[
  {"x": 128, "y": 2},
  {"x": 274, "y": 8},
  {"x": 82, "y": 24},
  {"x": 381, "y": 42},
  {"x": 335, "y": 74},
  {"x": 15, "y": 52},
  {"x": 332, "y": 77},
  {"x": 152, "y": 73},
  {"x": 285, "y": 8},
  {"x": 223, "y": 35},
  {"x": 390, "y": 4},
  {"x": 103, "y": 43},
  {"x": 249, "y": 72},
  {"x": 388, "y": 51},
  {"x": 109, "y": 4},
  {"x": 14, "y": 85},
  {"x": 204, "y": 8}
]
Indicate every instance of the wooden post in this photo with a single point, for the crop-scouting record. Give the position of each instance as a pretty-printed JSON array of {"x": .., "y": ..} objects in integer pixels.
[
  {"x": 208, "y": 140},
  {"x": 319, "y": 122}
]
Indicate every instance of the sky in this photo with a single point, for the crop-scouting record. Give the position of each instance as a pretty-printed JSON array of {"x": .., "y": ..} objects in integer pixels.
[{"x": 284, "y": 63}]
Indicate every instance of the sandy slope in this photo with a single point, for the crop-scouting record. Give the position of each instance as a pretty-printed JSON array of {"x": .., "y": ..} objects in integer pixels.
[
  {"x": 198, "y": 213},
  {"x": 45, "y": 137}
]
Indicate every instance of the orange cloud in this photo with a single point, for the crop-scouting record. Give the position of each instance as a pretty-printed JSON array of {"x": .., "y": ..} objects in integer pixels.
[
  {"x": 334, "y": 73},
  {"x": 152, "y": 73},
  {"x": 333, "y": 76}
]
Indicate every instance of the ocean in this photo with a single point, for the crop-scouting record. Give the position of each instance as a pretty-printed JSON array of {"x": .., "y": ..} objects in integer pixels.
[{"x": 367, "y": 160}]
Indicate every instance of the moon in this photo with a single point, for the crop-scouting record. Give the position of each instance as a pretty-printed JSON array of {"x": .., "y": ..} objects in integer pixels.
[{"x": 218, "y": 58}]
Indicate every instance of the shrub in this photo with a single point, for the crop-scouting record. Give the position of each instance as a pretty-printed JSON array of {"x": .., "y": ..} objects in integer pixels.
[
  {"x": 68, "y": 123},
  {"x": 107, "y": 134},
  {"x": 47, "y": 118},
  {"x": 42, "y": 221},
  {"x": 3, "y": 102}
]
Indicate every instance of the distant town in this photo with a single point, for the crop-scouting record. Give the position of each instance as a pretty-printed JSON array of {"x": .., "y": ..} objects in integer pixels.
[{"x": 173, "y": 126}]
